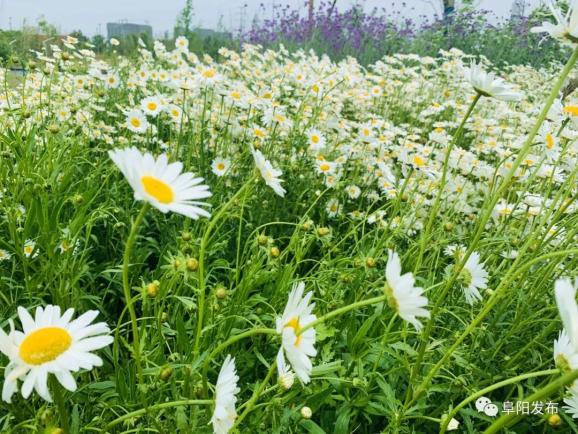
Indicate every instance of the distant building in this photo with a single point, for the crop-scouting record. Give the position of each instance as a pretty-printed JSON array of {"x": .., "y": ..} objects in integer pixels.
[
  {"x": 205, "y": 33},
  {"x": 120, "y": 30},
  {"x": 209, "y": 33}
]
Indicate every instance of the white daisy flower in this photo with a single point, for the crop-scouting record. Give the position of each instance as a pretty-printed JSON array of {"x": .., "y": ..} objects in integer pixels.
[
  {"x": 487, "y": 84},
  {"x": 453, "y": 424},
  {"x": 473, "y": 277},
  {"x": 162, "y": 184},
  {"x": 4, "y": 255},
  {"x": 151, "y": 105},
  {"x": 333, "y": 207},
  {"x": 225, "y": 398},
  {"x": 30, "y": 250},
  {"x": 220, "y": 166},
  {"x": 182, "y": 44},
  {"x": 565, "y": 354},
  {"x": 565, "y": 293},
  {"x": 326, "y": 167},
  {"x": 408, "y": 300},
  {"x": 298, "y": 346},
  {"x": 353, "y": 191},
  {"x": 571, "y": 401},
  {"x": 50, "y": 343},
  {"x": 566, "y": 27},
  {"x": 136, "y": 121},
  {"x": 315, "y": 139},
  {"x": 269, "y": 173}
]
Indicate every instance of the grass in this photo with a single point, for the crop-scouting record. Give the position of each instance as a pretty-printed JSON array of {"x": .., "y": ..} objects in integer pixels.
[{"x": 404, "y": 155}]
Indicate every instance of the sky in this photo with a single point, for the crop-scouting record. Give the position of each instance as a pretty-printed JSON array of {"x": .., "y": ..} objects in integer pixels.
[{"x": 91, "y": 16}]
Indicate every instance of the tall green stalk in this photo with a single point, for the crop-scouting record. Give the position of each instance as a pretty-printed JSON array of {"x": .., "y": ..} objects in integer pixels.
[
  {"x": 486, "y": 214},
  {"x": 127, "y": 289}
]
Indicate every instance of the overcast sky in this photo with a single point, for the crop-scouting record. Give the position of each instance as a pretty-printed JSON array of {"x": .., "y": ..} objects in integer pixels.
[{"x": 92, "y": 15}]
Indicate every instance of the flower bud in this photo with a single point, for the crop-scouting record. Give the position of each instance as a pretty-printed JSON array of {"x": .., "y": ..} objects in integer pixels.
[
  {"x": 262, "y": 239},
  {"x": 306, "y": 412},
  {"x": 322, "y": 231},
  {"x": 166, "y": 373},
  {"x": 153, "y": 289},
  {"x": 221, "y": 292},
  {"x": 286, "y": 380},
  {"x": 275, "y": 252},
  {"x": 192, "y": 264},
  {"x": 554, "y": 420}
]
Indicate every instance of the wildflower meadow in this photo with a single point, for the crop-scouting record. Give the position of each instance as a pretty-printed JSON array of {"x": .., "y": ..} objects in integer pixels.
[{"x": 277, "y": 241}]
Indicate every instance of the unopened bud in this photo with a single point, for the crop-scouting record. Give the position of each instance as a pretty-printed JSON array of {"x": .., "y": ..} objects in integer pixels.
[
  {"x": 192, "y": 264},
  {"x": 306, "y": 412}
]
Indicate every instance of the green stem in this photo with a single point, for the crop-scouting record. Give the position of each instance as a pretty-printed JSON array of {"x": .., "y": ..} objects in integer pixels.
[
  {"x": 545, "y": 392},
  {"x": 60, "y": 404},
  {"x": 343, "y": 310},
  {"x": 253, "y": 400},
  {"x": 202, "y": 255},
  {"x": 127, "y": 289},
  {"x": 435, "y": 207},
  {"x": 479, "y": 318},
  {"x": 224, "y": 345},
  {"x": 481, "y": 224},
  {"x": 143, "y": 411},
  {"x": 491, "y": 388}
]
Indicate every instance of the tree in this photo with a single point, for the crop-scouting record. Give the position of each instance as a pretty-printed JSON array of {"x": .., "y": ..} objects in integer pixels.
[{"x": 185, "y": 19}]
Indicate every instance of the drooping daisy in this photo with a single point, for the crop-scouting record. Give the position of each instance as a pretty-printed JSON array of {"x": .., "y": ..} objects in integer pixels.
[
  {"x": 565, "y": 293},
  {"x": 298, "y": 345},
  {"x": 566, "y": 27},
  {"x": 473, "y": 277},
  {"x": 571, "y": 401},
  {"x": 353, "y": 191},
  {"x": 407, "y": 300},
  {"x": 50, "y": 343},
  {"x": 162, "y": 184},
  {"x": 268, "y": 172},
  {"x": 220, "y": 166},
  {"x": 225, "y": 398},
  {"x": 333, "y": 207},
  {"x": 4, "y": 255},
  {"x": 30, "y": 250},
  {"x": 565, "y": 355},
  {"x": 487, "y": 84},
  {"x": 136, "y": 121}
]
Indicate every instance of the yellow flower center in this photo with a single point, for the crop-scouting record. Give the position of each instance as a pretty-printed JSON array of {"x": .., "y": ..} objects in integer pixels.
[
  {"x": 572, "y": 110},
  {"x": 324, "y": 167},
  {"x": 315, "y": 139},
  {"x": 220, "y": 166},
  {"x": 152, "y": 106},
  {"x": 28, "y": 249},
  {"x": 158, "y": 189},
  {"x": 549, "y": 141},
  {"x": 294, "y": 324},
  {"x": 44, "y": 345},
  {"x": 135, "y": 122},
  {"x": 418, "y": 161},
  {"x": 209, "y": 73}
]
